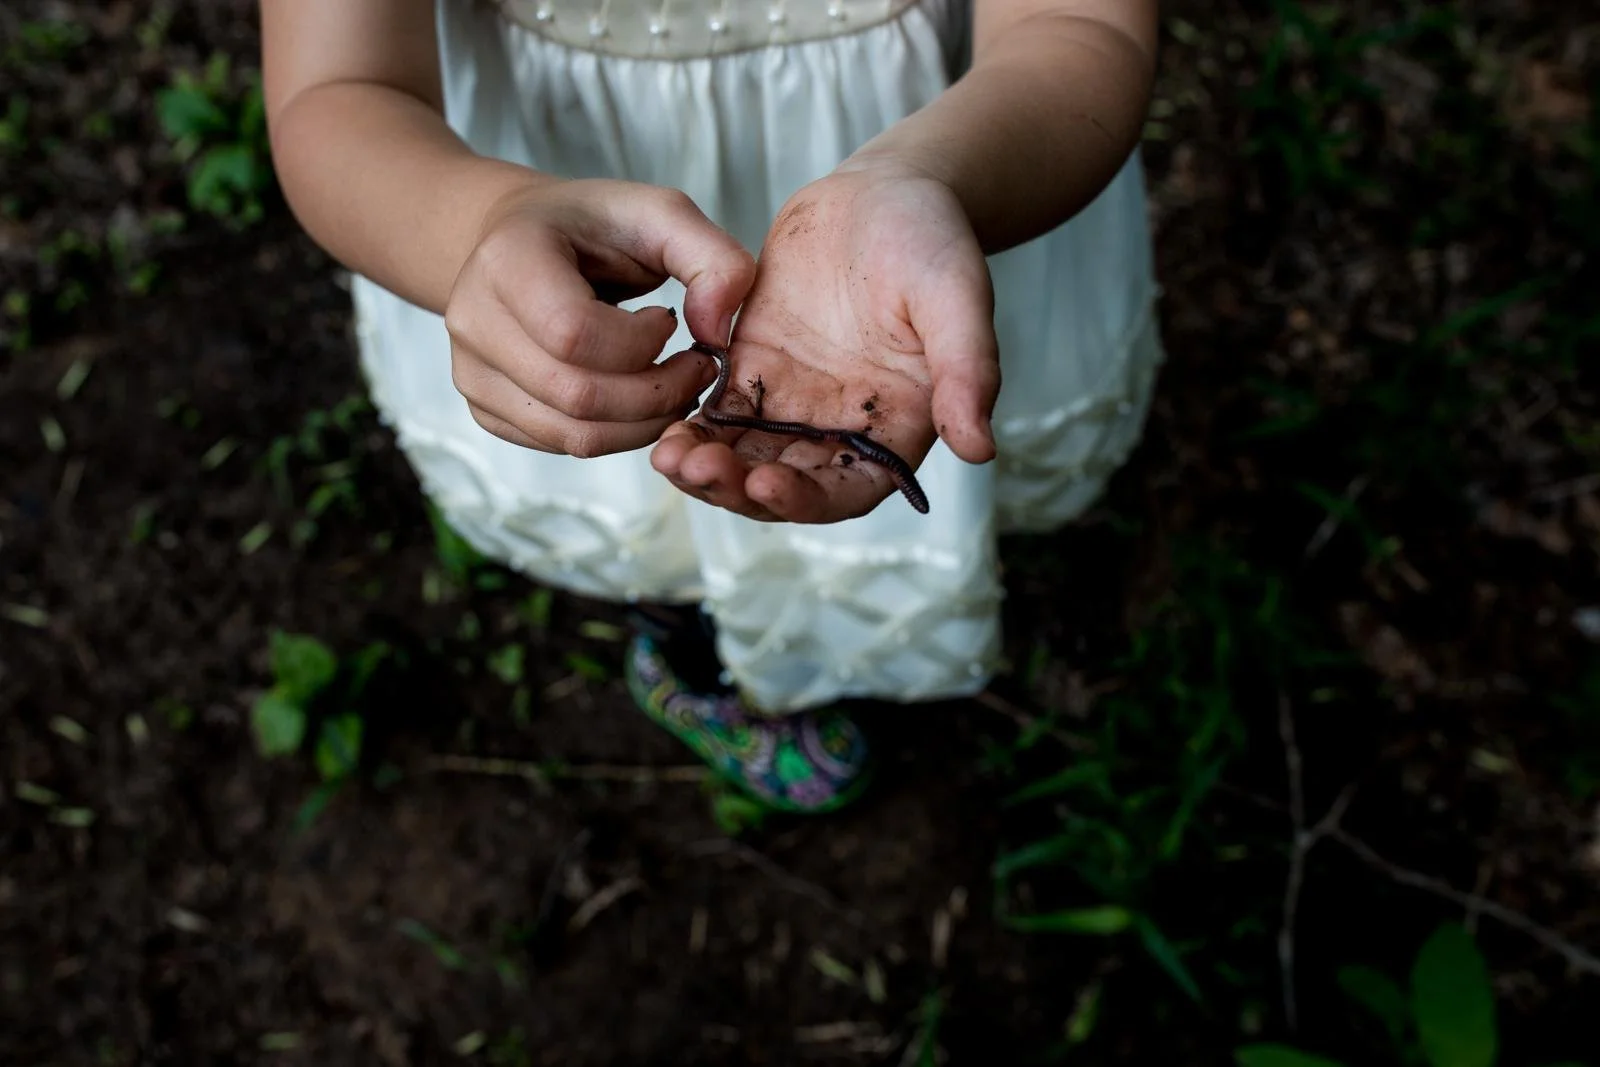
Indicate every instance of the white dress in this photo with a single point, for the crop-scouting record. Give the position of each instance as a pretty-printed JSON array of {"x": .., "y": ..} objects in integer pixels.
[{"x": 739, "y": 103}]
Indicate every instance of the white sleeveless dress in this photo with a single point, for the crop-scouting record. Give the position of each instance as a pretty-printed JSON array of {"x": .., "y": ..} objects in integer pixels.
[{"x": 739, "y": 103}]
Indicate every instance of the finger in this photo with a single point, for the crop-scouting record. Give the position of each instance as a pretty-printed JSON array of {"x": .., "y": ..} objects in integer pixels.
[
  {"x": 957, "y": 331},
  {"x": 655, "y": 391},
  {"x": 707, "y": 470},
  {"x": 800, "y": 490},
  {"x": 497, "y": 403},
  {"x": 675, "y": 237},
  {"x": 504, "y": 430},
  {"x": 789, "y": 494},
  {"x": 700, "y": 466},
  {"x": 552, "y": 303}
]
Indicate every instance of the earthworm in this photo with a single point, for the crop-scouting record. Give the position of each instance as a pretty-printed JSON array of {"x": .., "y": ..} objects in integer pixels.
[{"x": 905, "y": 478}]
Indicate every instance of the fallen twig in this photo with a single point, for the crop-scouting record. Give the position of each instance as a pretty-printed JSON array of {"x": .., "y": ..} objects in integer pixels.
[
  {"x": 1549, "y": 494},
  {"x": 1577, "y": 957},
  {"x": 1334, "y": 519},
  {"x": 548, "y": 773},
  {"x": 783, "y": 878},
  {"x": 1304, "y": 840},
  {"x": 558, "y": 871},
  {"x": 601, "y": 901},
  {"x": 997, "y": 703}
]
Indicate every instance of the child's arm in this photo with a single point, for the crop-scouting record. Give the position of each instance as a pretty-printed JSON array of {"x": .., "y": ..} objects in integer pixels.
[
  {"x": 512, "y": 258},
  {"x": 363, "y": 154},
  {"x": 1050, "y": 110},
  {"x": 883, "y": 296}
]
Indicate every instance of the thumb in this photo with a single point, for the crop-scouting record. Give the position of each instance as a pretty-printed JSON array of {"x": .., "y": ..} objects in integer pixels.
[
  {"x": 956, "y": 326},
  {"x": 671, "y": 235}
]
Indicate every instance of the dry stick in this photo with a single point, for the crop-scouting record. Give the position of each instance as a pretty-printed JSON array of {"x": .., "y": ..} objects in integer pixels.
[
  {"x": 602, "y": 900},
  {"x": 1330, "y": 524},
  {"x": 558, "y": 871},
  {"x": 1562, "y": 490},
  {"x": 1328, "y": 827},
  {"x": 1300, "y": 845},
  {"x": 782, "y": 877},
  {"x": 1305, "y": 839},
  {"x": 1405, "y": 876},
  {"x": 1577, "y": 957},
  {"x": 995, "y": 702},
  {"x": 546, "y": 774}
]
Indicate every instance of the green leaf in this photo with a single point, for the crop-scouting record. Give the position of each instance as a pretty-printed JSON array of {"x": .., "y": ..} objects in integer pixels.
[
  {"x": 366, "y": 663},
  {"x": 597, "y": 630},
  {"x": 1278, "y": 1056},
  {"x": 186, "y": 111},
  {"x": 734, "y": 813},
  {"x": 1193, "y": 793},
  {"x": 447, "y": 954},
  {"x": 456, "y": 554},
  {"x": 223, "y": 174},
  {"x": 279, "y": 724},
  {"x": 586, "y": 666},
  {"x": 1039, "y": 853},
  {"x": 1085, "y": 1014},
  {"x": 507, "y": 664},
  {"x": 311, "y": 809},
  {"x": 536, "y": 608},
  {"x": 302, "y": 665},
  {"x": 253, "y": 117},
  {"x": 1452, "y": 1000},
  {"x": 339, "y": 747},
  {"x": 1104, "y": 920},
  {"x": 1380, "y": 995}
]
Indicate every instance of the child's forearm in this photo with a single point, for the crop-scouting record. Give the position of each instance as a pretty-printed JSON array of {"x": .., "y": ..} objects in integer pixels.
[
  {"x": 378, "y": 179},
  {"x": 1050, "y": 111}
]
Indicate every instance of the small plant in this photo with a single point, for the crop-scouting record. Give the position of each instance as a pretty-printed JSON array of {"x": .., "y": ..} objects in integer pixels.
[
  {"x": 1581, "y": 711},
  {"x": 1304, "y": 101},
  {"x": 14, "y": 126},
  {"x": 461, "y": 565},
  {"x": 44, "y": 41},
  {"x": 305, "y": 671},
  {"x": 220, "y": 133},
  {"x": 1110, "y": 824},
  {"x": 1445, "y": 1019},
  {"x": 15, "y": 309},
  {"x": 335, "y": 478},
  {"x": 732, "y": 811}
]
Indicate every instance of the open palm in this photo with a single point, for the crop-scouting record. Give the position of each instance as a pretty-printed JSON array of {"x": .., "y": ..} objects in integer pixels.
[{"x": 871, "y": 312}]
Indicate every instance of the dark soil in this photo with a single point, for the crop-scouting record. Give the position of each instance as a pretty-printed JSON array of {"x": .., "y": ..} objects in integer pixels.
[{"x": 175, "y": 901}]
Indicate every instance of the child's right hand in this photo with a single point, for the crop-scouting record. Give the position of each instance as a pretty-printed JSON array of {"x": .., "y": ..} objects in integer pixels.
[{"x": 539, "y": 348}]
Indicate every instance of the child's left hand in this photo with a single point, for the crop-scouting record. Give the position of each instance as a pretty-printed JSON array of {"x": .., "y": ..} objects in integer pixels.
[{"x": 872, "y": 310}]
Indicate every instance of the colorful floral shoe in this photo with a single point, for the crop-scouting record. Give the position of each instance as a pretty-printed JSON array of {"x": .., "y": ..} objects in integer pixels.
[{"x": 809, "y": 762}]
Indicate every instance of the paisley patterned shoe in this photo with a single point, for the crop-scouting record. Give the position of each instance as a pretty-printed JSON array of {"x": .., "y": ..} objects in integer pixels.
[{"x": 809, "y": 762}]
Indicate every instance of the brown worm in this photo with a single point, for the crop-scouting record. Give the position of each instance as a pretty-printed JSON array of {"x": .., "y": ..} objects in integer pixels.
[{"x": 905, "y": 479}]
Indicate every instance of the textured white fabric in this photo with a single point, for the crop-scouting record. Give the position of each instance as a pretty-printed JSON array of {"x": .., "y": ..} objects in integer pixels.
[
  {"x": 894, "y": 605},
  {"x": 675, "y": 29}
]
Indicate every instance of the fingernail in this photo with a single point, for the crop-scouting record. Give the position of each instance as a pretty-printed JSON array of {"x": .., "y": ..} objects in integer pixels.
[{"x": 673, "y": 312}]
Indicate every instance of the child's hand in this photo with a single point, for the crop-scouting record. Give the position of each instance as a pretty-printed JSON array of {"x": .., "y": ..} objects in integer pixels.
[
  {"x": 872, "y": 310},
  {"x": 539, "y": 349}
]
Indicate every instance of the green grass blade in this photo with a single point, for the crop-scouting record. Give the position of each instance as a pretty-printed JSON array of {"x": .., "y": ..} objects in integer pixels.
[
  {"x": 1103, "y": 921},
  {"x": 1162, "y": 951}
]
